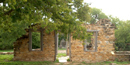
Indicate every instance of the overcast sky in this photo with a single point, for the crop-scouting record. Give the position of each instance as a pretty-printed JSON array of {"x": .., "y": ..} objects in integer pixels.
[{"x": 116, "y": 8}]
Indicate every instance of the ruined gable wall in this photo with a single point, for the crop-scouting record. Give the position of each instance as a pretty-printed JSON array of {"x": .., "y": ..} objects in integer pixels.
[
  {"x": 22, "y": 53},
  {"x": 105, "y": 44}
]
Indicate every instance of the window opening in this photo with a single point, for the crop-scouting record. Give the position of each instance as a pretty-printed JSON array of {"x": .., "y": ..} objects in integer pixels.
[
  {"x": 91, "y": 41},
  {"x": 35, "y": 40}
]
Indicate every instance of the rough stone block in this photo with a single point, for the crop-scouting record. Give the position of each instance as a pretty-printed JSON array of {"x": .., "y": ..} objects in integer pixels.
[
  {"x": 22, "y": 53},
  {"x": 104, "y": 45}
]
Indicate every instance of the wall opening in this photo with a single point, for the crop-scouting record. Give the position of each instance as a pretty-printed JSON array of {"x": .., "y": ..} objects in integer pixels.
[
  {"x": 90, "y": 44},
  {"x": 62, "y": 48},
  {"x": 35, "y": 40}
]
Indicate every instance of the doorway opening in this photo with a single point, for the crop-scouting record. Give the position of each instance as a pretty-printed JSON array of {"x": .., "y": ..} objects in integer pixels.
[{"x": 63, "y": 48}]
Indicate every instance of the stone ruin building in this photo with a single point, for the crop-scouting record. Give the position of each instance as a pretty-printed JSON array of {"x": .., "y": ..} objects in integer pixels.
[
  {"x": 98, "y": 48},
  {"x": 23, "y": 47}
]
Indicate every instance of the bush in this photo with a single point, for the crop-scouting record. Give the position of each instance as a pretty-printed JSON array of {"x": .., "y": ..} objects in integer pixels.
[
  {"x": 35, "y": 42},
  {"x": 5, "y": 46}
]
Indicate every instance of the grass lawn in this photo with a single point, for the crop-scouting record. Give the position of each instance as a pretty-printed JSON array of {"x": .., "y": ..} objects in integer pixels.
[
  {"x": 6, "y": 50},
  {"x": 61, "y": 54},
  {"x": 62, "y": 49},
  {"x": 4, "y": 58},
  {"x": 26, "y": 63},
  {"x": 8, "y": 60}
]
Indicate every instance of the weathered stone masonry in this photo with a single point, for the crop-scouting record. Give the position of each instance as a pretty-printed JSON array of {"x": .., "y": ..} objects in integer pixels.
[
  {"x": 22, "y": 53},
  {"x": 105, "y": 44}
]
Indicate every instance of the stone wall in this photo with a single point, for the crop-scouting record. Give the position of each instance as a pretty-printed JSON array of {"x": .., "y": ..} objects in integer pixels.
[
  {"x": 105, "y": 44},
  {"x": 22, "y": 53},
  {"x": 122, "y": 58},
  {"x": 122, "y": 55}
]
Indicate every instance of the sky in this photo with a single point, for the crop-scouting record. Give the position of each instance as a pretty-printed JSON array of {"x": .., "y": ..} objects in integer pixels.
[{"x": 116, "y": 8}]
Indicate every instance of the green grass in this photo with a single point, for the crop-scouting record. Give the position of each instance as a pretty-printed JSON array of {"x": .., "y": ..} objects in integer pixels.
[
  {"x": 26, "y": 63},
  {"x": 106, "y": 63},
  {"x": 6, "y": 50},
  {"x": 6, "y": 58},
  {"x": 57, "y": 61},
  {"x": 61, "y": 54},
  {"x": 62, "y": 49},
  {"x": 117, "y": 62}
]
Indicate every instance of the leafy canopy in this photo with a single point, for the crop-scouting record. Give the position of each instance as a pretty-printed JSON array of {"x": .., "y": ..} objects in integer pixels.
[
  {"x": 97, "y": 14},
  {"x": 122, "y": 34},
  {"x": 17, "y": 15}
]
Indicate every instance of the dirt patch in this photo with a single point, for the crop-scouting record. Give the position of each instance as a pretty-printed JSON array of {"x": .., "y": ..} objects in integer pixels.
[{"x": 61, "y": 51}]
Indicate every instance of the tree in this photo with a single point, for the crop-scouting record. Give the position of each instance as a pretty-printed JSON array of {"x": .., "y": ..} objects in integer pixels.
[
  {"x": 17, "y": 15},
  {"x": 116, "y": 21},
  {"x": 122, "y": 34},
  {"x": 83, "y": 13},
  {"x": 35, "y": 40},
  {"x": 60, "y": 37},
  {"x": 97, "y": 14}
]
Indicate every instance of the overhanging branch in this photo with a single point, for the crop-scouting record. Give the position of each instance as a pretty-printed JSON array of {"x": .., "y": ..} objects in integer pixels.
[{"x": 8, "y": 12}]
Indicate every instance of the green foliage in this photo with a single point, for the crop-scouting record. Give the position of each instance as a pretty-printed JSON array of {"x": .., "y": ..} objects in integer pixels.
[
  {"x": 80, "y": 33},
  {"x": 57, "y": 61},
  {"x": 97, "y": 14},
  {"x": 116, "y": 21},
  {"x": 77, "y": 3},
  {"x": 83, "y": 13},
  {"x": 122, "y": 34},
  {"x": 83, "y": 43},
  {"x": 89, "y": 37},
  {"x": 68, "y": 59},
  {"x": 17, "y": 15},
  {"x": 4, "y": 46},
  {"x": 35, "y": 40},
  {"x": 6, "y": 50},
  {"x": 60, "y": 37}
]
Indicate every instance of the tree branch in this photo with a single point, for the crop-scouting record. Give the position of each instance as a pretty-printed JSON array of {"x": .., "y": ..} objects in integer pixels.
[{"x": 8, "y": 12}]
